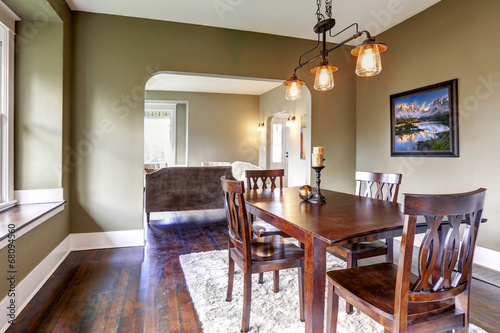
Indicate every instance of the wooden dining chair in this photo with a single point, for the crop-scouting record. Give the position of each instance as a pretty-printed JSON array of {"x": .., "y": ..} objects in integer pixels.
[
  {"x": 258, "y": 179},
  {"x": 255, "y": 255},
  {"x": 435, "y": 300},
  {"x": 386, "y": 188}
]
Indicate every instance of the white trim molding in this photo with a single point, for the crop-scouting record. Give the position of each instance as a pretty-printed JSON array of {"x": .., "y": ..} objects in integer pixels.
[
  {"x": 39, "y": 196},
  {"x": 109, "y": 239},
  {"x": 30, "y": 285}
]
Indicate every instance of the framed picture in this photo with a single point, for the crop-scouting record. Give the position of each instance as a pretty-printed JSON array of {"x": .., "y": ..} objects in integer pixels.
[{"x": 424, "y": 121}]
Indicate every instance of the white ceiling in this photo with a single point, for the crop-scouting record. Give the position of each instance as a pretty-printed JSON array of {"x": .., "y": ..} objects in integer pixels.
[
  {"x": 210, "y": 84},
  {"x": 293, "y": 18}
]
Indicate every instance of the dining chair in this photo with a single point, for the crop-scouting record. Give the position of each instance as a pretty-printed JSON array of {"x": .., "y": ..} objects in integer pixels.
[
  {"x": 258, "y": 179},
  {"x": 255, "y": 255},
  {"x": 386, "y": 188},
  {"x": 436, "y": 299}
]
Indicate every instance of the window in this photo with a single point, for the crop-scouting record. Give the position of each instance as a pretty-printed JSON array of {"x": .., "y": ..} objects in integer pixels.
[
  {"x": 6, "y": 115},
  {"x": 159, "y": 133}
]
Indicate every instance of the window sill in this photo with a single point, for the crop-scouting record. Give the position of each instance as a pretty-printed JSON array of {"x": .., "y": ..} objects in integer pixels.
[{"x": 26, "y": 217}]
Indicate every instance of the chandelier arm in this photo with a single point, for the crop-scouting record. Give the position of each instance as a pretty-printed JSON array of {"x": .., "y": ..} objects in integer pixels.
[
  {"x": 314, "y": 48},
  {"x": 338, "y": 33},
  {"x": 347, "y": 40}
]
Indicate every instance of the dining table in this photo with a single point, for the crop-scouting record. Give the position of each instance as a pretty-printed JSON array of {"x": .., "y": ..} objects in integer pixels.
[{"x": 344, "y": 218}]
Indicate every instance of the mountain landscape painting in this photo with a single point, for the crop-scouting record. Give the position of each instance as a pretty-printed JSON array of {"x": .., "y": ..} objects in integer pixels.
[{"x": 424, "y": 121}]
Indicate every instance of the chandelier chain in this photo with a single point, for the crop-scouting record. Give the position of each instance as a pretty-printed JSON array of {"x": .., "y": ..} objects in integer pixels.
[
  {"x": 328, "y": 8},
  {"x": 320, "y": 16}
]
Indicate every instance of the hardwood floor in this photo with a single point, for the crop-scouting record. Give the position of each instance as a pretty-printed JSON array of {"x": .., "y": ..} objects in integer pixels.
[{"x": 140, "y": 289}]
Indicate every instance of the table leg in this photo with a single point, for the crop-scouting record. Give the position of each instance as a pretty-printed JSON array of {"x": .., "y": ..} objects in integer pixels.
[{"x": 314, "y": 284}]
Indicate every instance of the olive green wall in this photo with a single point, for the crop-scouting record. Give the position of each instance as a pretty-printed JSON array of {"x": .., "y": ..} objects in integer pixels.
[
  {"x": 38, "y": 105},
  {"x": 115, "y": 56},
  {"x": 221, "y": 127},
  {"x": 41, "y": 44},
  {"x": 449, "y": 40}
]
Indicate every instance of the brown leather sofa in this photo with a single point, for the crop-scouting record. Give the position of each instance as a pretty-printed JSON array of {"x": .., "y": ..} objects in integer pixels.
[{"x": 184, "y": 188}]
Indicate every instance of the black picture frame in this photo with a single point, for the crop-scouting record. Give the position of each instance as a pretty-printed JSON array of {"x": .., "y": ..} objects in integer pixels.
[{"x": 424, "y": 121}]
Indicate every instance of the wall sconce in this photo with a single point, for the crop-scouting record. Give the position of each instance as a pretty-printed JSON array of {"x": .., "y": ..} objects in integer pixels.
[
  {"x": 290, "y": 121},
  {"x": 368, "y": 53},
  {"x": 260, "y": 127}
]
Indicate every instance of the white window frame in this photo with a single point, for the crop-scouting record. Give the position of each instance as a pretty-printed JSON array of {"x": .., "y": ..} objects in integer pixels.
[
  {"x": 171, "y": 107},
  {"x": 7, "y": 28}
]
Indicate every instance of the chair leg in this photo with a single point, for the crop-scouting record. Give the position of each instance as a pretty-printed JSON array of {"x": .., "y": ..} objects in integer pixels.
[
  {"x": 147, "y": 216},
  {"x": 230, "y": 279},
  {"x": 301, "y": 292},
  {"x": 261, "y": 278},
  {"x": 276, "y": 278},
  {"x": 462, "y": 302},
  {"x": 332, "y": 310},
  {"x": 247, "y": 300},
  {"x": 352, "y": 261},
  {"x": 389, "y": 257}
]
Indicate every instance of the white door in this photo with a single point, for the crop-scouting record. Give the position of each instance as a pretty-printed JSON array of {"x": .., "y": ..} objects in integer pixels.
[{"x": 278, "y": 146}]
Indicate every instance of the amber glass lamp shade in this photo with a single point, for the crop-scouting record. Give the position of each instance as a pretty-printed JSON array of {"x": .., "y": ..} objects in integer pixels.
[
  {"x": 369, "y": 63},
  {"x": 324, "y": 77},
  {"x": 293, "y": 90}
]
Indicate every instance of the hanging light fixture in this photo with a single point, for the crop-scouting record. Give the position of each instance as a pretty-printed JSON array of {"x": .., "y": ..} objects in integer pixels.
[{"x": 368, "y": 53}]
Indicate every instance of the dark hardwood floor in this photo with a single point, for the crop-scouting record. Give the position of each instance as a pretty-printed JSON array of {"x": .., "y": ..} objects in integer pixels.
[{"x": 140, "y": 289}]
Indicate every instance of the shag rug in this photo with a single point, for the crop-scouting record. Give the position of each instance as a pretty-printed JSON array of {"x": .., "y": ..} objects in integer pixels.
[{"x": 206, "y": 277}]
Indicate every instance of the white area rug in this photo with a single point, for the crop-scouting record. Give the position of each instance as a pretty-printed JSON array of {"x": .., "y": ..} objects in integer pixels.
[{"x": 206, "y": 276}]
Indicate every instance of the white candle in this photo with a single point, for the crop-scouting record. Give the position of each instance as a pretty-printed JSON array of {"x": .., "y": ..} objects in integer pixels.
[
  {"x": 317, "y": 160},
  {"x": 318, "y": 150}
]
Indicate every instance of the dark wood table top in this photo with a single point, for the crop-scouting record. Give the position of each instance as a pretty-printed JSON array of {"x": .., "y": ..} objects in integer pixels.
[{"x": 344, "y": 218}]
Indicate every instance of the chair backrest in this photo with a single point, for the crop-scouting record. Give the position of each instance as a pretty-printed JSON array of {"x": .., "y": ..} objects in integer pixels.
[
  {"x": 387, "y": 185},
  {"x": 237, "y": 219},
  {"x": 253, "y": 177},
  {"x": 440, "y": 253}
]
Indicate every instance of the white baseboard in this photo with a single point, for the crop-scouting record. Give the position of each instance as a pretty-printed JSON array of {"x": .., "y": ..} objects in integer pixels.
[
  {"x": 29, "y": 286},
  {"x": 39, "y": 196},
  {"x": 109, "y": 239},
  {"x": 487, "y": 258}
]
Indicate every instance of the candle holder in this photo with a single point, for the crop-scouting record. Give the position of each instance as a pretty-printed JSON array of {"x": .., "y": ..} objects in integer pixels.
[{"x": 317, "y": 197}]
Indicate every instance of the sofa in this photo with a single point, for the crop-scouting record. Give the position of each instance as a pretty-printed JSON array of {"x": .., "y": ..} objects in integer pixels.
[{"x": 184, "y": 188}]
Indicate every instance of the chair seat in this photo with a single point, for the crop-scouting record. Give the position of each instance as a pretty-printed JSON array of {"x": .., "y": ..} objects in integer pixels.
[
  {"x": 378, "y": 290},
  {"x": 373, "y": 248},
  {"x": 274, "y": 248},
  {"x": 262, "y": 228}
]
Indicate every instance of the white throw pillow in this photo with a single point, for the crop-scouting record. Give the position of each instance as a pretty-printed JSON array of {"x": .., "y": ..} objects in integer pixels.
[{"x": 239, "y": 168}]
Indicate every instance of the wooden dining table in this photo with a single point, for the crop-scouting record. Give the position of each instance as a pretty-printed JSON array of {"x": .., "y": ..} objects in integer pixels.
[{"x": 344, "y": 218}]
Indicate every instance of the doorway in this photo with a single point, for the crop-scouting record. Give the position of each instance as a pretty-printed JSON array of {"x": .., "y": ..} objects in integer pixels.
[{"x": 277, "y": 143}]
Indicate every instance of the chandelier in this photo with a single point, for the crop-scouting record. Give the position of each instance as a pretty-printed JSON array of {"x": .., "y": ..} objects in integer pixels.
[{"x": 368, "y": 53}]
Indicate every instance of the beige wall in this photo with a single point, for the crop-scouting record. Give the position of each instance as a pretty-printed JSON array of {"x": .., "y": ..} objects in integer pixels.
[
  {"x": 114, "y": 57},
  {"x": 449, "y": 40},
  {"x": 221, "y": 127},
  {"x": 38, "y": 105}
]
